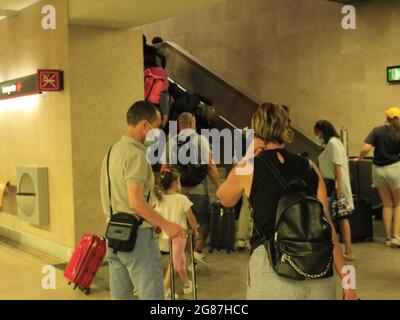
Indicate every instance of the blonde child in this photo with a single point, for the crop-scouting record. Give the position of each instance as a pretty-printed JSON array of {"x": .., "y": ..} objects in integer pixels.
[{"x": 176, "y": 207}]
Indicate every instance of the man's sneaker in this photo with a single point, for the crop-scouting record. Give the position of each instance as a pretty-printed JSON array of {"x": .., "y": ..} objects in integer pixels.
[
  {"x": 188, "y": 287},
  {"x": 168, "y": 295},
  {"x": 395, "y": 242},
  {"x": 388, "y": 242},
  {"x": 200, "y": 258}
]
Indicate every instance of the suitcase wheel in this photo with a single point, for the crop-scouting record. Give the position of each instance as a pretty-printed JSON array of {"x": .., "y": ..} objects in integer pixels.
[
  {"x": 87, "y": 291},
  {"x": 69, "y": 283}
]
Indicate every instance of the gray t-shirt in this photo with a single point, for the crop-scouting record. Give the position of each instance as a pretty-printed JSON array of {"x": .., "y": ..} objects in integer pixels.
[{"x": 128, "y": 164}]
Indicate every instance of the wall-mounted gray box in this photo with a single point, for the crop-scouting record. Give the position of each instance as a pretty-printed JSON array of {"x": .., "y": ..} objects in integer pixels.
[{"x": 33, "y": 195}]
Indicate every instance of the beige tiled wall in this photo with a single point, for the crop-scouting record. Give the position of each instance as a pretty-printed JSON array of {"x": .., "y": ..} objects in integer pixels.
[
  {"x": 106, "y": 78},
  {"x": 69, "y": 132},
  {"x": 296, "y": 52},
  {"x": 37, "y": 130}
]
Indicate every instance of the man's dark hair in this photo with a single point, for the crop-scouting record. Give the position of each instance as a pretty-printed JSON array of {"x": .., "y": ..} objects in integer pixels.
[
  {"x": 141, "y": 110},
  {"x": 327, "y": 130}
]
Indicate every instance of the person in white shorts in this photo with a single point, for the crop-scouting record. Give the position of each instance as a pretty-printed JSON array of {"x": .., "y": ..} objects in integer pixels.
[{"x": 385, "y": 140}]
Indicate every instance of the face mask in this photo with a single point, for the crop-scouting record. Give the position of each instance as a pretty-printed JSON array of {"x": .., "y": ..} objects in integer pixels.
[
  {"x": 320, "y": 141},
  {"x": 152, "y": 137}
]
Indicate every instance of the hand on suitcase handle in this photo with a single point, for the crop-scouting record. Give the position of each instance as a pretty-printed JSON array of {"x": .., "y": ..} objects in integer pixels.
[{"x": 174, "y": 230}]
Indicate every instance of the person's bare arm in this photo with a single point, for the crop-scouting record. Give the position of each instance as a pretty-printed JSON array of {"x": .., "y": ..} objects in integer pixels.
[
  {"x": 213, "y": 171},
  {"x": 365, "y": 151},
  {"x": 240, "y": 178},
  {"x": 338, "y": 257},
  {"x": 231, "y": 189},
  {"x": 339, "y": 180},
  {"x": 138, "y": 204},
  {"x": 192, "y": 222}
]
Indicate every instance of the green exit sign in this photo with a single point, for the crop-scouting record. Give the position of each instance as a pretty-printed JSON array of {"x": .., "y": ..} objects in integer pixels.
[{"x": 393, "y": 74}]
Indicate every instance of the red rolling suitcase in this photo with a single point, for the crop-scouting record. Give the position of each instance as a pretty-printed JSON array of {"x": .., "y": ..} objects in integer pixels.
[{"x": 85, "y": 261}]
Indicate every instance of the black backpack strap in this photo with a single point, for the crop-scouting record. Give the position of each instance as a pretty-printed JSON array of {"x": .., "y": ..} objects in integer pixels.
[
  {"x": 151, "y": 89},
  {"x": 109, "y": 181},
  {"x": 141, "y": 220},
  {"x": 257, "y": 227},
  {"x": 282, "y": 181},
  {"x": 275, "y": 172},
  {"x": 180, "y": 144}
]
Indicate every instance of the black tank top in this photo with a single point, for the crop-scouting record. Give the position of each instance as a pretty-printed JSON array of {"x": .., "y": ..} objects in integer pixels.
[{"x": 266, "y": 191}]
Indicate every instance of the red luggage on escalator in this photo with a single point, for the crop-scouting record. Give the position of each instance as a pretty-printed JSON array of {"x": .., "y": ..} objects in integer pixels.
[{"x": 85, "y": 261}]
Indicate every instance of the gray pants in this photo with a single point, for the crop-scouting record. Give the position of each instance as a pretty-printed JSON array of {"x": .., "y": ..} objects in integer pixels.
[
  {"x": 140, "y": 268},
  {"x": 264, "y": 284}
]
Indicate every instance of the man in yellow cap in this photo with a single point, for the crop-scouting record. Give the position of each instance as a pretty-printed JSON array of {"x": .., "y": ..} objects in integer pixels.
[{"x": 386, "y": 171}]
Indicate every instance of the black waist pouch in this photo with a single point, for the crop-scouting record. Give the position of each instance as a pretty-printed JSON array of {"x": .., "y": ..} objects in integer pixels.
[{"x": 122, "y": 232}]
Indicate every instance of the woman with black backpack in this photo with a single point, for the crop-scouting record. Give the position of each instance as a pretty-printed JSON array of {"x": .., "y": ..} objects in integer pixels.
[{"x": 292, "y": 239}]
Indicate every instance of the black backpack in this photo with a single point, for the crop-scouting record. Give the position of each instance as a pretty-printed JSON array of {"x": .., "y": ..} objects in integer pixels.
[
  {"x": 186, "y": 102},
  {"x": 191, "y": 174},
  {"x": 302, "y": 247}
]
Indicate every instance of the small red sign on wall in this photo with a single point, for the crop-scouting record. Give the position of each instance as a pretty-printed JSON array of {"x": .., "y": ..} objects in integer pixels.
[{"x": 50, "y": 80}]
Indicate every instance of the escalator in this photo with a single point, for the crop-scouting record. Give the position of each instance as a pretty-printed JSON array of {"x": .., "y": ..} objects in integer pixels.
[{"x": 233, "y": 107}]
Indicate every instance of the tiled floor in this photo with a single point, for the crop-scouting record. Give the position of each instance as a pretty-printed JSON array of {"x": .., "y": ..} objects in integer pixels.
[{"x": 378, "y": 274}]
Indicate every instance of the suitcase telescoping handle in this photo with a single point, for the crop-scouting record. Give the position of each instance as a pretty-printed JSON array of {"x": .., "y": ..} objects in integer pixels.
[{"x": 172, "y": 270}]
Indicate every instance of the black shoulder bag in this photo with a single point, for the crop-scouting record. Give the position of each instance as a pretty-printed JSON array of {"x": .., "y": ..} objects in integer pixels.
[{"x": 123, "y": 227}]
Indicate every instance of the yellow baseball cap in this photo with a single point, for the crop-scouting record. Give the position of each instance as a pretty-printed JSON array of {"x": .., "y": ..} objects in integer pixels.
[{"x": 393, "y": 112}]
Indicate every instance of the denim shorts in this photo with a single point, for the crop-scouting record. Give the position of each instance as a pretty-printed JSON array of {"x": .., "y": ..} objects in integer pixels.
[
  {"x": 140, "y": 269},
  {"x": 387, "y": 175},
  {"x": 264, "y": 284},
  {"x": 201, "y": 208}
]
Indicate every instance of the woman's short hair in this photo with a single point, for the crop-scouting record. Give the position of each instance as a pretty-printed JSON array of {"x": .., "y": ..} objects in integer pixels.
[
  {"x": 327, "y": 130},
  {"x": 271, "y": 123}
]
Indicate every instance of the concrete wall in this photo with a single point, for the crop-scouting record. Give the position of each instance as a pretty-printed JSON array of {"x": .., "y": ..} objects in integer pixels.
[
  {"x": 69, "y": 132},
  {"x": 36, "y": 130},
  {"x": 106, "y": 78},
  {"x": 296, "y": 52}
]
